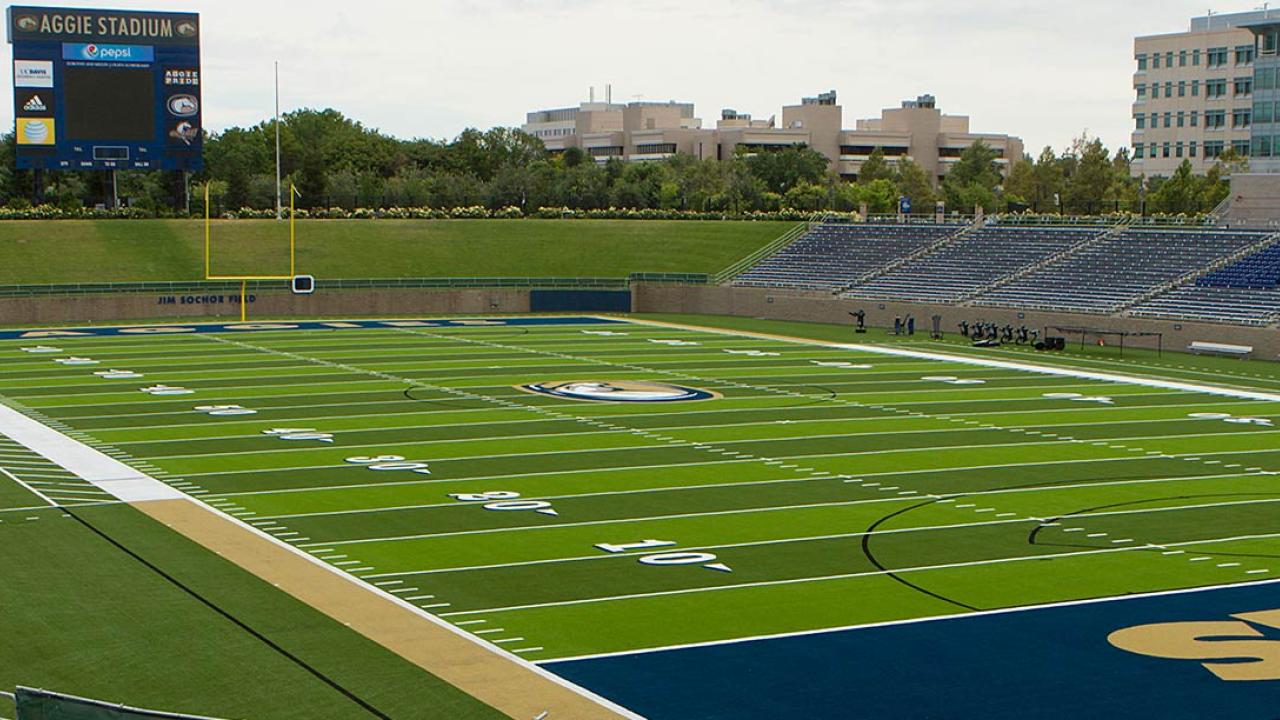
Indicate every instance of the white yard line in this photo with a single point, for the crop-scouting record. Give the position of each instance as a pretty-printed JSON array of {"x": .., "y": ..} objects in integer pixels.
[
  {"x": 916, "y": 621},
  {"x": 782, "y": 481},
  {"x": 129, "y": 485},
  {"x": 784, "y": 508},
  {"x": 848, "y": 576},
  {"x": 985, "y": 362}
]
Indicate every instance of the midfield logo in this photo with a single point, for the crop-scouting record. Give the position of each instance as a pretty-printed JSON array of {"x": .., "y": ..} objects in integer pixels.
[{"x": 1243, "y": 652}]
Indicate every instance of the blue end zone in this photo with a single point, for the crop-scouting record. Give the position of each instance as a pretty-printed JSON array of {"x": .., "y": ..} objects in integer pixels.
[
  {"x": 196, "y": 329},
  {"x": 1050, "y": 664}
]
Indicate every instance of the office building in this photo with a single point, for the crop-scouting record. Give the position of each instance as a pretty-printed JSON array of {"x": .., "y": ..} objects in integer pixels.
[
  {"x": 637, "y": 132},
  {"x": 1195, "y": 92}
]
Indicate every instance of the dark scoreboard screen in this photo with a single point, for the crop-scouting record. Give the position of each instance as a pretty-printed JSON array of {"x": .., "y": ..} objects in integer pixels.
[{"x": 106, "y": 90}]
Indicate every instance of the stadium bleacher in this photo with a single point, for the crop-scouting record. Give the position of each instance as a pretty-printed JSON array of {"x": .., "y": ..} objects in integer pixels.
[
  {"x": 1081, "y": 268},
  {"x": 1243, "y": 292},
  {"x": 973, "y": 262},
  {"x": 1120, "y": 270},
  {"x": 833, "y": 255}
]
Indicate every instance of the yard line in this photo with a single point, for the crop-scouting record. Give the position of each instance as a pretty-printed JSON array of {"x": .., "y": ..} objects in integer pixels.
[
  {"x": 753, "y": 511},
  {"x": 784, "y": 481},
  {"x": 1004, "y": 364},
  {"x": 685, "y": 443},
  {"x": 489, "y": 478},
  {"x": 823, "y": 578},
  {"x": 920, "y": 620},
  {"x": 28, "y": 488}
]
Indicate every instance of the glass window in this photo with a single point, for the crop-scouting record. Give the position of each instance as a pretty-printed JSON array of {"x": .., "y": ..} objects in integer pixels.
[
  {"x": 1265, "y": 78},
  {"x": 1182, "y": 58},
  {"x": 1179, "y": 149},
  {"x": 1262, "y": 112},
  {"x": 1217, "y": 57},
  {"x": 1142, "y": 63},
  {"x": 1182, "y": 88},
  {"x": 1269, "y": 43},
  {"x": 1195, "y": 58},
  {"x": 1241, "y": 118},
  {"x": 1168, "y": 89},
  {"x": 1168, "y": 119},
  {"x": 1215, "y": 119},
  {"x": 1155, "y": 61},
  {"x": 1261, "y": 147},
  {"x": 1191, "y": 149},
  {"x": 1195, "y": 118},
  {"x": 1243, "y": 86},
  {"x": 1141, "y": 121},
  {"x": 1215, "y": 89},
  {"x": 1195, "y": 88},
  {"x": 1213, "y": 148},
  {"x": 1168, "y": 59},
  {"x": 1244, "y": 54},
  {"x": 1165, "y": 150},
  {"x": 1182, "y": 118},
  {"x": 1137, "y": 151}
]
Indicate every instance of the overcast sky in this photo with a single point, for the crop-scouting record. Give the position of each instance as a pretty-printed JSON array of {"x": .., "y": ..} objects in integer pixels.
[{"x": 1044, "y": 71}]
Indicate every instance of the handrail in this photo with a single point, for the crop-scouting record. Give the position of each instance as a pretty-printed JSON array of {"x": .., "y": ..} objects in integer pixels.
[
  {"x": 777, "y": 245},
  {"x": 200, "y": 286},
  {"x": 1029, "y": 270},
  {"x": 1187, "y": 278}
]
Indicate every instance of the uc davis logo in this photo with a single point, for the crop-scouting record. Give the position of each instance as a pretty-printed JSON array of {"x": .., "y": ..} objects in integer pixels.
[
  {"x": 1242, "y": 652},
  {"x": 619, "y": 391}
]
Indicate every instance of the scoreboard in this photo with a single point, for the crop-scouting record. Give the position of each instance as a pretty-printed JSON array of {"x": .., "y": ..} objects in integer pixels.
[{"x": 106, "y": 90}]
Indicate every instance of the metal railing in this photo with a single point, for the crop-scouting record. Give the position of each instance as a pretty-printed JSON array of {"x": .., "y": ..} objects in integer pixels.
[
  {"x": 748, "y": 262},
  {"x": 201, "y": 287}
]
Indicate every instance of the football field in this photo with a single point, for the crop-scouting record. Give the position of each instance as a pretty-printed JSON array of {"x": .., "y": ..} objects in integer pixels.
[{"x": 575, "y": 490}]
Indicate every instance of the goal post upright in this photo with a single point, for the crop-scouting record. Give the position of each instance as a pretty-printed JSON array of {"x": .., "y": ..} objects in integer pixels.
[{"x": 244, "y": 279}]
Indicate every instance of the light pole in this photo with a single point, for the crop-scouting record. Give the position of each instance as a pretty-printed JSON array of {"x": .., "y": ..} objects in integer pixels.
[{"x": 279, "y": 204}]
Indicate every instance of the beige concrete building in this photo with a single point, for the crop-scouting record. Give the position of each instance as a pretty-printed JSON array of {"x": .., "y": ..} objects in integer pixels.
[
  {"x": 1193, "y": 94},
  {"x": 638, "y": 132}
]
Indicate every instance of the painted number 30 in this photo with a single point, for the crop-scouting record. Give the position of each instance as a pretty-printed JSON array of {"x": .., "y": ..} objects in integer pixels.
[{"x": 503, "y": 501}]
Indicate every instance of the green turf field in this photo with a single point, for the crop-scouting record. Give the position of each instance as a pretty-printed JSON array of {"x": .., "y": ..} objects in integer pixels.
[
  {"x": 165, "y": 250},
  {"x": 821, "y": 488},
  {"x": 101, "y": 601}
]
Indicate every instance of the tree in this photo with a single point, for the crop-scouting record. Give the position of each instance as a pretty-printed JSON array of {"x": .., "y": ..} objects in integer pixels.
[
  {"x": 805, "y": 196},
  {"x": 973, "y": 180},
  {"x": 913, "y": 182},
  {"x": 1178, "y": 194},
  {"x": 875, "y": 168},
  {"x": 1048, "y": 175},
  {"x": 1020, "y": 186},
  {"x": 1088, "y": 185},
  {"x": 784, "y": 168}
]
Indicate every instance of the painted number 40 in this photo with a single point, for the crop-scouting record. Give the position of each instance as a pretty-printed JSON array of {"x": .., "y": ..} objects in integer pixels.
[{"x": 675, "y": 559}]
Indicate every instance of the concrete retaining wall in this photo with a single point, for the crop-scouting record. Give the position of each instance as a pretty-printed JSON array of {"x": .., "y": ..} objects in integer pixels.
[
  {"x": 351, "y": 303},
  {"x": 775, "y": 305}
]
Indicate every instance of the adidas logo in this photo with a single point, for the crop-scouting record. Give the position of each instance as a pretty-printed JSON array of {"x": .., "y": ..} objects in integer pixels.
[{"x": 35, "y": 104}]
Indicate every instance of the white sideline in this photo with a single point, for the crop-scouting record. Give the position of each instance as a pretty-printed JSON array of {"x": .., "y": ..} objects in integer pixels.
[
  {"x": 981, "y": 362},
  {"x": 130, "y": 485},
  {"x": 108, "y": 474},
  {"x": 912, "y": 621}
]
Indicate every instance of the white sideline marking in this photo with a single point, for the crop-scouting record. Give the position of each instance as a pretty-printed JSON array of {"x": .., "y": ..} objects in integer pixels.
[
  {"x": 916, "y": 621},
  {"x": 96, "y": 468},
  {"x": 847, "y": 576},
  {"x": 986, "y": 362},
  {"x": 788, "y": 508},
  {"x": 129, "y": 485}
]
